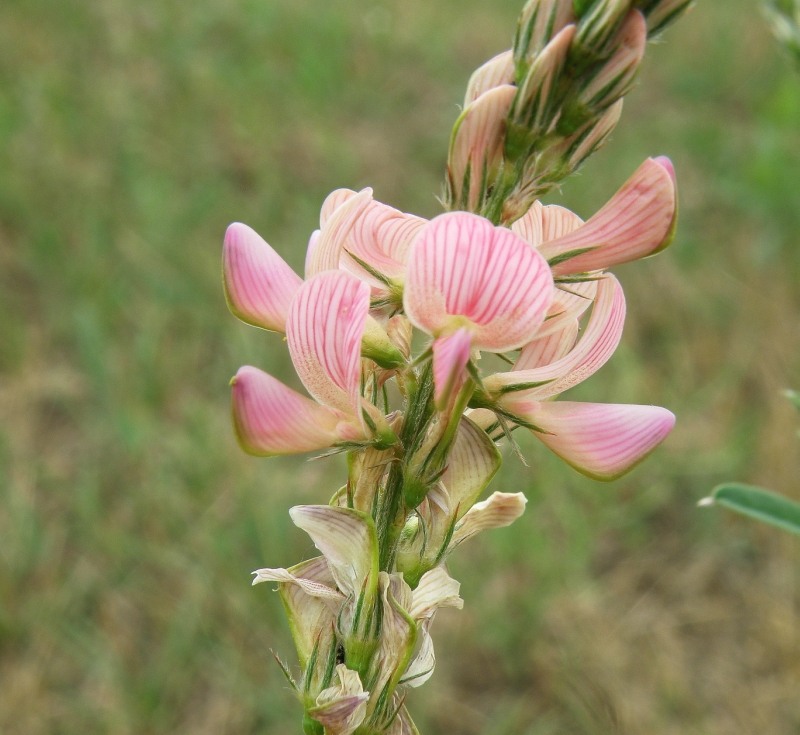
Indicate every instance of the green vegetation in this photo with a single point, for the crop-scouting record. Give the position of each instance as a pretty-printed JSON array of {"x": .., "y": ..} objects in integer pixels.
[{"x": 132, "y": 134}]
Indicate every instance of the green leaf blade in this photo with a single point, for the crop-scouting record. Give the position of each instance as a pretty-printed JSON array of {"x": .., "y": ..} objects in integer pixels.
[{"x": 756, "y": 502}]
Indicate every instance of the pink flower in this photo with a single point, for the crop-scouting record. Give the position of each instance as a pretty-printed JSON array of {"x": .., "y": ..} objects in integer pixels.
[
  {"x": 473, "y": 286},
  {"x": 324, "y": 328},
  {"x": 639, "y": 220},
  {"x": 600, "y": 440}
]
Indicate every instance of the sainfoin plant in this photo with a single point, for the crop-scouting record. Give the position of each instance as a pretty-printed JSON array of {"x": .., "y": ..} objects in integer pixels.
[{"x": 390, "y": 328}]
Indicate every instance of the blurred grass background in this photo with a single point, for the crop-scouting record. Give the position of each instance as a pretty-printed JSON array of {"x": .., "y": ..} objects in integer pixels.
[{"x": 132, "y": 134}]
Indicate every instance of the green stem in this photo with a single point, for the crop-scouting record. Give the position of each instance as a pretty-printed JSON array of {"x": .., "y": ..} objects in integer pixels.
[{"x": 392, "y": 513}]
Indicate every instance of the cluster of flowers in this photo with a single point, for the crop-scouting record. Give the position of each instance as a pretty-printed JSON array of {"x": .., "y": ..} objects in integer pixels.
[
  {"x": 420, "y": 417},
  {"x": 361, "y": 612}
]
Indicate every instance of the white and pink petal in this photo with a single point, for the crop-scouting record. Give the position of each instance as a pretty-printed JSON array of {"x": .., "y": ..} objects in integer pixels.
[
  {"x": 601, "y": 440},
  {"x": 324, "y": 330},
  {"x": 637, "y": 221},
  {"x": 259, "y": 285},
  {"x": 271, "y": 419},
  {"x": 598, "y": 342},
  {"x": 464, "y": 272}
]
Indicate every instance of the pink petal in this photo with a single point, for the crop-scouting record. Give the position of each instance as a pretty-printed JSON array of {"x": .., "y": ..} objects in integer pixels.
[
  {"x": 381, "y": 238},
  {"x": 546, "y": 350},
  {"x": 558, "y": 222},
  {"x": 324, "y": 329},
  {"x": 601, "y": 440},
  {"x": 450, "y": 358},
  {"x": 332, "y": 202},
  {"x": 462, "y": 266},
  {"x": 529, "y": 226},
  {"x": 636, "y": 222},
  {"x": 259, "y": 285},
  {"x": 270, "y": 418},
  {"x": 600, "y": 339},
  {"x": 329, "y": 245},
  {"x": 570, "y": 301},
  {"x": 541, "y": 223}
]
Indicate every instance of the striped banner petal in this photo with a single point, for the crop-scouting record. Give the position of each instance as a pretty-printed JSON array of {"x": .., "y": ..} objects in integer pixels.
[
  {"x": 324, "y": 330},
  {"x": 487, "y": 277}
]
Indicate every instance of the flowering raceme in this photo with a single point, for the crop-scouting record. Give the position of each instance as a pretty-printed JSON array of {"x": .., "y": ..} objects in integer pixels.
[
  {"x": 537, "y": 290},
  {"x": 421, "y": 420}
]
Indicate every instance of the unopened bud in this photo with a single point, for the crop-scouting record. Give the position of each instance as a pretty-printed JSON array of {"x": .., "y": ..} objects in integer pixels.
[
  {"x": 376, "y": 345},
  {"x": 538, "y": 100},
  {"x": 476, "y": 147},
  {"x": 495, "y": 72},
  {"x": 661, "y": 13},
  {"x": 598, "y": 26},
  {"x": 615, "y": 77},
  {"x": 579, "y": 146},
  {"x": 538, "y": 23}
]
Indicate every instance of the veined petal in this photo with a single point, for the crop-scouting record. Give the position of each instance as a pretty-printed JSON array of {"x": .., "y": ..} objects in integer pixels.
[
  {"x": 595, "y": 347},
  {"x": 311, "y": 587},
  {"x": 570, "y": 301},
  {"x": 398, "y": 632},
  {"x": 341, "y": 708},
  {"x": 546, "y": 350},
  {"x": 472, "y": 463},
  {"x": 332, "y": 202},
  {"x": 462, "y": 266},
  {"x": 436, "y": 589},
  {"x": 348, "y": 542},
  {"x": 381, "y": 238},
  {"x": 313, "y": 241},
  {"x": 637, "y": 221},
  {"x": 495, "y": 72},
  {"x": 402, "y": 724},
  {"x": 542, "y": 223},
  {"x": 497, "y": 511},
  {"x": 259, "y": 285},
  {"x": 421, "y": 667},
  {"x": 311, "y": 601},
  {"x": 601, "y": 440},
  {"x": 450, "y": 357},
  {"x": 557, "y": 222},
  {"x": 529, "y": 226},
  {"x": 324, "y": 330},
  {"x": 333, "y": 234},
  {"x": 270, "y": 418},
  {"x": 476, "y": 147}
]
